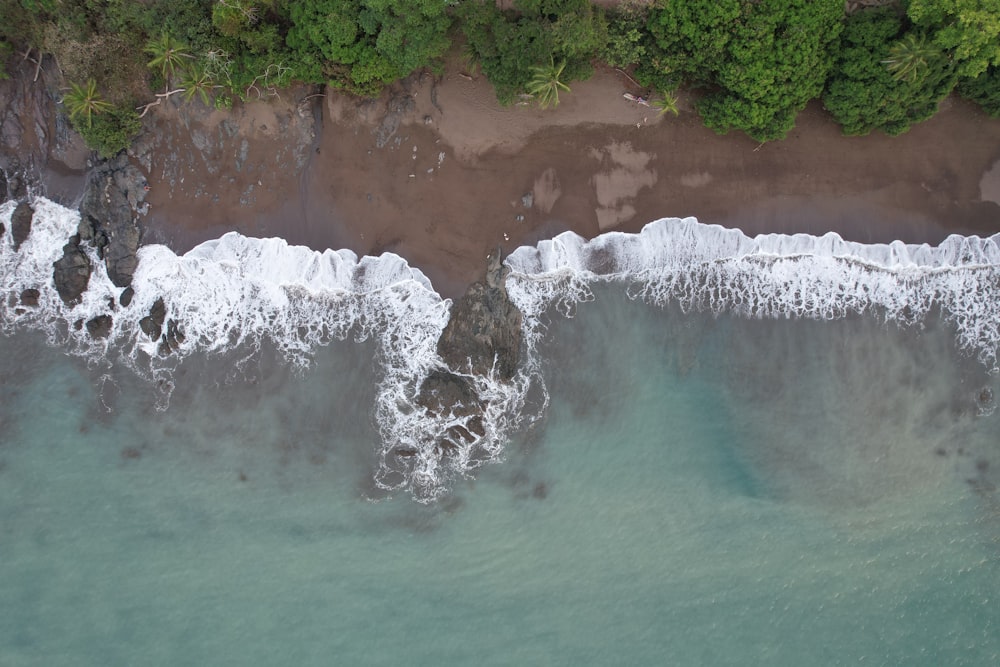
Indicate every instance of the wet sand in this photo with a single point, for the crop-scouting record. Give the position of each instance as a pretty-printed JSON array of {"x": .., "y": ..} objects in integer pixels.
[{"x": 436, "y": 171}]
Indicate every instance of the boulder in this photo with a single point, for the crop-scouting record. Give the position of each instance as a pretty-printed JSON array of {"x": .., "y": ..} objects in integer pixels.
[
  {"x": 29, "y": 297},
  {"x": 126, "y": 297},
  {"x": 3, "y": 186},
  {"x": 152, "y": 324},
  {"x": 20, "y": 223},
  {"x": 71, "y": 272},
  {"x": 100, "y": 326}
]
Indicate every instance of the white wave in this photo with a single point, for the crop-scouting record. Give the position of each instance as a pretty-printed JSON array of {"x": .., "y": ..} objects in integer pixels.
[
  {"x": 237, "y": 292},
  {"x": 708, "y": 267}
]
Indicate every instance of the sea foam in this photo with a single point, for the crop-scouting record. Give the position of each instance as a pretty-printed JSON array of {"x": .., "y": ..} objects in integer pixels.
[
  {"x": 712, "y": 268},
  {"x": 234, "y": 293}
]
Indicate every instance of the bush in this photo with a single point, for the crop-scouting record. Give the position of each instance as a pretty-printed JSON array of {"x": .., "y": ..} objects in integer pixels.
[
  {"x": 110, "y": 132},
  {"x": 511, "y": 45},
  {"x": 984, "y": 90},
  {"x": 862, "y": 93}
]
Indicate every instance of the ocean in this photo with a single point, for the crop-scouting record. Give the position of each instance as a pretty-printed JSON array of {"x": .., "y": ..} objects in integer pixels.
[{"x": 719, "y": 451}]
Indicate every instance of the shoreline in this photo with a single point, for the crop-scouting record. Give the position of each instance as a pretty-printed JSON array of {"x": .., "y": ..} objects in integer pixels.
[{"x": 438, "y": 172}]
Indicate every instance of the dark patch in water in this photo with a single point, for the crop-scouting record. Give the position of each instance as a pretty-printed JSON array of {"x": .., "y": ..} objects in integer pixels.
[
  {"x": 131, "y": 454},
  {"x": 941, "y": 451},
  {"x": 982, "y": 465}
]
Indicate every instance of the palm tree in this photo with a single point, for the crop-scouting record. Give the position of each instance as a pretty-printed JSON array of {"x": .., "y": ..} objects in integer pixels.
[
  {"x": 910, "y": 57},
  {"x": 546, "y": 85},
  {"x": 666, "y": 103},
  {"x": 84, "y": 101},
  {"x": 196, "y": 80},
  {"x": 169, "y": 55}
]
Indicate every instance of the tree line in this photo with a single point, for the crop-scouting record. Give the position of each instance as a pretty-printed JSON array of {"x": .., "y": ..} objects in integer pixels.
[{"x": 755, "y": 63}]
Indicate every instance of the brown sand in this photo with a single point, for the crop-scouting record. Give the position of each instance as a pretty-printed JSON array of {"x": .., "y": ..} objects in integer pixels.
[{"x": 444, "y": 178}]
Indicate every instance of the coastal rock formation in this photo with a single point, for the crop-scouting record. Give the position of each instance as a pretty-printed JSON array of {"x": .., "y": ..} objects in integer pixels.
[
  {"x": 152, "y": 324},
  {"x": 20, "y": 223},
  {"x": 100, "y": 326},
  {"x": 484, "y": 331},
  {"x": 482, "y": 338},
  {"x": 29, "y": 297},
  {"x": 114, "y": 193},
  {"x": 71, "y": 272}
]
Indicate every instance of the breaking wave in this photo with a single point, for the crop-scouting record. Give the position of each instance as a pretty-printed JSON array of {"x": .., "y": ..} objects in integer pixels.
[
  {"x": 712, "y": 268},
  {"x": 234, "y": 293}
]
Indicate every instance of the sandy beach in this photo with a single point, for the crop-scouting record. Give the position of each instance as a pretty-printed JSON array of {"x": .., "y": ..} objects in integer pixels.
[{"x": 436, "y": 171}]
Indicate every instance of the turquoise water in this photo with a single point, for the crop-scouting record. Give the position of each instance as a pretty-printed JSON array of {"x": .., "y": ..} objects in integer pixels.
[{"x": 700, "y": 490}]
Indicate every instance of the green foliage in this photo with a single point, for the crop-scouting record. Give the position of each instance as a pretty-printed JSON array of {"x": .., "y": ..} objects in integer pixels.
[
  {"x": 511, "y": 45},
  {"x": 5, "y": 50},
  {"x": 168, "y": 55},
  {"x": 627, "y": 36},
  {"x": 912, "y": 57},
  {"x": 862, "y": 94},
  {"x": 196, "y": 80},
  {"x": 967, "y": 30},
  {"x": 764, "y": 60},
  {"x": 362, "y": 45},
  {"x": 545, "y": 83},
  {"x": 984, "y": 90},
  {"x": 111, "y": 132},
  {"x": 666, "y": 102},
  {"x": 83, "y": 102}
]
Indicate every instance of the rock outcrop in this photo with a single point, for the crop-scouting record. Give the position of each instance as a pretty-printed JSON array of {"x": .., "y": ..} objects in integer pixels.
[
  {"x": 100, "y": 326},
  {"x": 114, "y": 193},
  {"x": 482, "y": 338},
  {"x": 484, "y": 332}
]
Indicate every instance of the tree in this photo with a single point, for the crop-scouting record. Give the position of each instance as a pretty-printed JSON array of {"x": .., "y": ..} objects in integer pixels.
[
  {"x": 967, "y": 30},
  {"x": 197, "y": 80},
  {"x": 911, "y": 57},
  {"x": 863, "y": 94},
  {"x": 984, "y": 90},
  {"x": 84, "y": 102},
  {"x": 168, "y": 54},
  {"x": 509, "y": 45},
  {"x": 545, "y": 85},
  {"x": 362, "y": 45},
  {"x": 763, "y": 61}
]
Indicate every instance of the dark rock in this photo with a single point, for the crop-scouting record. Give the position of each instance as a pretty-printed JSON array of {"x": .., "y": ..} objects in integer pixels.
[
  {"x": 173, "y": 338},
  {"x": 71, "y": 272},
  {"x": 443, "y": 391},
  {"x": 3, "y": 186},
  {"x": 78, "y": 325},
  {"x": 100, "y": 326},
  {"x": 107, "y": 213},
  {"x": 152, "y": 324},
  {"x": 150, "y": 328},
  {"x": 484, "y": 331},
  {"x": 2, "y": 229},
  {"x": 126, "y": 297},
  {"x": 20, "y": 223},
  {"x": 29, "y": 298}
]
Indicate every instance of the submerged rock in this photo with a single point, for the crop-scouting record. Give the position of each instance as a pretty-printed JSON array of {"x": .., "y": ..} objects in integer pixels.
[
  {"x": 100, "y": 326},
  {"x": 484, "y": 331},
  {"x": 20, "y": 223},
  {"x": 71, "y": 272}
]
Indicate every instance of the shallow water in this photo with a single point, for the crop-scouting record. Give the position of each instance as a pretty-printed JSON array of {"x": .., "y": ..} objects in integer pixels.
[{"x": 701, "y": 490}]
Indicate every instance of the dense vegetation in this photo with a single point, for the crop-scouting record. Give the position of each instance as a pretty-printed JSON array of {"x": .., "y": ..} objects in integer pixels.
[{"x": 755, "y": 63}]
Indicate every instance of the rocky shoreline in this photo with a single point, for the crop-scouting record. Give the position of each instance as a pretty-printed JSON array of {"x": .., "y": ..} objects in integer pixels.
[{"x": 484, "y": 331}]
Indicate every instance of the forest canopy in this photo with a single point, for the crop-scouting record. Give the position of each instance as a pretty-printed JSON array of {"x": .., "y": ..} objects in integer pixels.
[{"x": 750, "y": 65}]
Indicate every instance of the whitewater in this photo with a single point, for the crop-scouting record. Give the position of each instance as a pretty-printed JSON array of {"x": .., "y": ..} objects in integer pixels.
[{"x": 234, "y": 294}]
